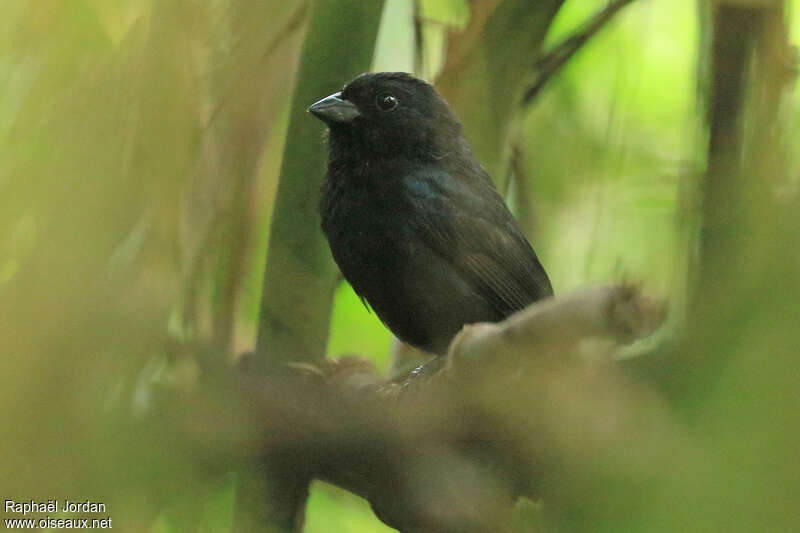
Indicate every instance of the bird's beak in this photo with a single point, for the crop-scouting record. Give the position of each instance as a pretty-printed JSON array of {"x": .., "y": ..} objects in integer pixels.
[{"x": 334, "y": 109}]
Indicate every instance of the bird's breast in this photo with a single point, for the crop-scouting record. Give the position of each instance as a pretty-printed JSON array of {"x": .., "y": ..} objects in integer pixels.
[{"x": 366, "y": 229}]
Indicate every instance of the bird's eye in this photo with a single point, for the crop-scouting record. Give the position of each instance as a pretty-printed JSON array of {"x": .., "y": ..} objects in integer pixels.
[{"x": 386, "y": 102}]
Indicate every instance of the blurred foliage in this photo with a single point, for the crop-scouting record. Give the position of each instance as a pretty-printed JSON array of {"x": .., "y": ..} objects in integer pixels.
[
  {"x": 333, "y": 509},
  {"x": 140, "y": 148}
]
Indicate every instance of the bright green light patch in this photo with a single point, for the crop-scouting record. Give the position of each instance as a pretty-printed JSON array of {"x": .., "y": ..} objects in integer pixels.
[{"x": 357, "y": 331}]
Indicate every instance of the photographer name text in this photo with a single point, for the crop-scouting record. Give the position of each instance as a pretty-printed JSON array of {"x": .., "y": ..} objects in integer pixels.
[{"x": 54, "y": 506}]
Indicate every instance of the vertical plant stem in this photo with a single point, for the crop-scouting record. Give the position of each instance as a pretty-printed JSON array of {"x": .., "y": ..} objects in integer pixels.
[
  {"x": 743, "y": 94},
  {"x": 300, "y": 275}
]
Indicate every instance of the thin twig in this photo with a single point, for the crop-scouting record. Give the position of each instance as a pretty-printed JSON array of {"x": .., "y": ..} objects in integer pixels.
[
  {"x": 551, "y": 62},
  {"x": 522, "y": 181},
  {"x": 419, "y": 43}
]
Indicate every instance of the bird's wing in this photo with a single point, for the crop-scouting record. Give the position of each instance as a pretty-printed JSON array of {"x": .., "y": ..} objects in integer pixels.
[{"x": 465, "y": 221}]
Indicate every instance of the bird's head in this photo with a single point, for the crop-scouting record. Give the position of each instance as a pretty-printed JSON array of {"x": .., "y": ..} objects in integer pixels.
[{"x": 390, "y": 113}]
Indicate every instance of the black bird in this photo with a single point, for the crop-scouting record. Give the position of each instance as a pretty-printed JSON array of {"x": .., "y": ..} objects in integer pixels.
[{"x": 413, "y": 220}]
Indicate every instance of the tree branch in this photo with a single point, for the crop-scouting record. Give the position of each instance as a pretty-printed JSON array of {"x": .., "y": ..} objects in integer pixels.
[
  {"x": 622, "y": 314},
  {"x": 442, "y": 451}
]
